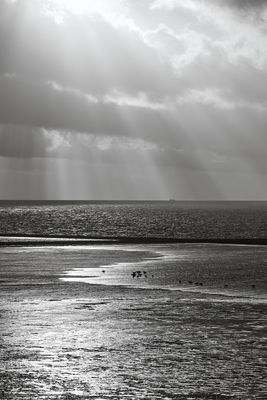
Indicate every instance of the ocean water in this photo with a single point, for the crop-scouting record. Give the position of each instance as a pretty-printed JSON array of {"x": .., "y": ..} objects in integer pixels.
[
  {"x": 141, "y": 316},
  {"x": 142, "y": 220}
]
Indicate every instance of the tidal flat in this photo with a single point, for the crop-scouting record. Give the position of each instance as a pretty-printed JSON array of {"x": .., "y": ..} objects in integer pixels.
[{"x": 73, "y": 340}]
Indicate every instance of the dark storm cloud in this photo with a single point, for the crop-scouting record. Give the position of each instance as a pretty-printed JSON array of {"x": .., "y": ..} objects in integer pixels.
[
  {"x": 21, "y": 142},
  {"x": 25, "y": 106},
  {"x": 34, "y": 104}
]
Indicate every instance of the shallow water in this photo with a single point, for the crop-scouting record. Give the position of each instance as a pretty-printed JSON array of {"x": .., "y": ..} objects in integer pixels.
[
  {"x": 235, "y": 270},
  {"x": 75, "y": 340}
]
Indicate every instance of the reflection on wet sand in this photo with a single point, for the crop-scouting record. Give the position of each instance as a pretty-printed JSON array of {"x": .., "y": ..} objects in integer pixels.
[{"x": 72, "y": 340}]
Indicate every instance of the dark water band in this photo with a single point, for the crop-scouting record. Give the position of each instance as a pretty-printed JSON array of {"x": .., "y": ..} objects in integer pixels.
[{"x": 78, "y": 241}]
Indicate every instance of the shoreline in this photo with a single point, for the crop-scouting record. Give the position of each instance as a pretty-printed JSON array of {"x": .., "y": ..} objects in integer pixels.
[{"x": 32, "y": 240}]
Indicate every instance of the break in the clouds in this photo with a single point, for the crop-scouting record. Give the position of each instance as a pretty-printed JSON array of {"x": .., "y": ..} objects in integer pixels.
[{"x": 133, "y": 99}]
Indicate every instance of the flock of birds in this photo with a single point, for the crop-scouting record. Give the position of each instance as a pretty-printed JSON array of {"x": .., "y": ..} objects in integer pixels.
[
  {"x": 140, "y": 274},
  {"x": 144, "y": 274}
]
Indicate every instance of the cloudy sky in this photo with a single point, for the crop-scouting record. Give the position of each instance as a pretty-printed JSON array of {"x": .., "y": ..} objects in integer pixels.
[{"x": 133, "y": 99}]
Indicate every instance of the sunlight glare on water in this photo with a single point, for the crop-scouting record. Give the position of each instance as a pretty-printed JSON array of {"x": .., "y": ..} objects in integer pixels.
[{"x": 191, "y": 325}]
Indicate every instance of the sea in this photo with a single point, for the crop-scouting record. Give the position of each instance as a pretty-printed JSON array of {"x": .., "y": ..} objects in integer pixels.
[{"x": 133, "y": 300}]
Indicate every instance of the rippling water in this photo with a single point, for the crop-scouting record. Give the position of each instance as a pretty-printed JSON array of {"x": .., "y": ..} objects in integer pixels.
[
  {"x": 77, "y": 323},
  {"x": 201, "y": 220}
]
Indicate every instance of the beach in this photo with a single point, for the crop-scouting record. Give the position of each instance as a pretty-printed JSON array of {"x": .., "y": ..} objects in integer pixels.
[
  {"x": 133, "y": 200},
  {"x": 65, "y": 338}
]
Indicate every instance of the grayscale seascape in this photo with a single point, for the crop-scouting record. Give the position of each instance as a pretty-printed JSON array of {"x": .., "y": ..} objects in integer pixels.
[
  {"x": 78, "y": 321},
  {"x": 133, "y": 200}
]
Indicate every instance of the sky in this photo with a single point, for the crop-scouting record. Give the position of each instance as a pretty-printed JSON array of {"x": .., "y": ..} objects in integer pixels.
[{"x": 133, "y": 99}]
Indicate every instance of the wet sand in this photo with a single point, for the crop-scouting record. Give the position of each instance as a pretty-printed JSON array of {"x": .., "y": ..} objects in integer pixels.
[{"x": 73, "y": 340}]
